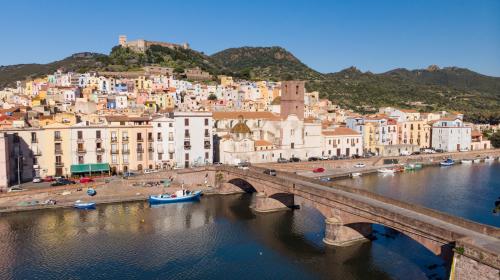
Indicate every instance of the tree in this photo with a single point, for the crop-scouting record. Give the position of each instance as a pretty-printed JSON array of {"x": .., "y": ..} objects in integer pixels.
[
  {"x": 212, "y": 97},
  {"x": 495, "y": 139}
]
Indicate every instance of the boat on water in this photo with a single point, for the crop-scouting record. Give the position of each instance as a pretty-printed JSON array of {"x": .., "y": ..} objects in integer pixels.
[
  {"x": 477, "y": 160},
  {"x": 386, "y": 171},
  {"x": 418, "y": 165},
  {"x": 409, "y": 167},
  {"x": 84, "y": 205},
  {"x": 489, "y": 159},
  {"x": 447, "y": 162},
  {"x": 179, "y": 196},
  {"x": 355, "y": 174},
  {"x": 466, "y": 161}
]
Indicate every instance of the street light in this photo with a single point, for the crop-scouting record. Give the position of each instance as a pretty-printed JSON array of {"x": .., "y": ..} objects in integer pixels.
[{"x": 19, "y": 169}]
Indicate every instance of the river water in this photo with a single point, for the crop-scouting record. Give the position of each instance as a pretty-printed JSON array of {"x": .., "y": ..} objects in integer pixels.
[{"x": 221, "y": 238}]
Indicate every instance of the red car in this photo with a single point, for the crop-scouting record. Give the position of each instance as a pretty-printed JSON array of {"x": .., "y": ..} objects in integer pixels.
[
  {"x": 84, "y": 180},
  {"x": 318, "y": 170},
  {"x": 49, "y": 179}
]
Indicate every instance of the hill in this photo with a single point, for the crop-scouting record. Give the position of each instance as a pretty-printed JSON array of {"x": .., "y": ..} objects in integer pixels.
[
  {"x": 264, "y": 63},
  {"x": 450, "y": 88},
  {"x": 79, "y": 62}
]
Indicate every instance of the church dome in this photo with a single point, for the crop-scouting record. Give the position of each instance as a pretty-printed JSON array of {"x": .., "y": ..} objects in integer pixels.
[{"x": 240, "y": 127}]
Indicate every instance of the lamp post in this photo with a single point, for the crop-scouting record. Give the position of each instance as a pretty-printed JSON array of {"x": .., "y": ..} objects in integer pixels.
[{"x": 19, "y": 170}]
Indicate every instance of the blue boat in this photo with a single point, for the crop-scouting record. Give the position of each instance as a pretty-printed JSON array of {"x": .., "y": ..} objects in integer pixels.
[
  {"x": 91, "y": 192},
  {"x": 84, "y": 205},
  {"x": 173, "y": 198},
  {"x": 447, "y": 162}
]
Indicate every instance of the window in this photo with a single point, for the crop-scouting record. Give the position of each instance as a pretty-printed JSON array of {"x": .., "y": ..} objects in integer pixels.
[
  {"x": 33, "y": 137},
  {"x": 206, "y": 121},
  {"x": 186, "y": 133},
  {"x": 98, "y": 134},
  {"x": 206, "y": 155},
  {"x": 170, "y": 155},
  {"x": 99, "y": 159},
  {"x": 292, "y": 145},
  {"x": 125, "y": 159},
  {"x": 186, "y": 156},
  {"x": 57, "y": 135},
  {"x": 158, "y": 136},
  {"x": 80, "y": 160},
  {"x": 58, "y": 160},
  {"x": 80, "y": 134},
  {"x": 206, "y": 133},
  {"x": 139, "y": 136},
  {"x": 186, "y": 122},
  {"x": 170, "y": 125},
  {"x": 159, "y": 124},
  {"x": 160, "y": 156},
  {"x": 114, "y": 159}
]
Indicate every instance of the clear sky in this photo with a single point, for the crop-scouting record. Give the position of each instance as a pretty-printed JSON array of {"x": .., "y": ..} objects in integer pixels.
[{"x": 326, "y": 35}]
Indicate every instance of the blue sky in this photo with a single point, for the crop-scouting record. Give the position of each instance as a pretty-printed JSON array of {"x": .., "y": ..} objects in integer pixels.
[{"x": 326, "y": 35}]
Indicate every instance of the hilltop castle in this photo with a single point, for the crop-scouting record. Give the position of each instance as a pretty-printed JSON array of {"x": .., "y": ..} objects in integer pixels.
[{"x": 142, "y": 45}]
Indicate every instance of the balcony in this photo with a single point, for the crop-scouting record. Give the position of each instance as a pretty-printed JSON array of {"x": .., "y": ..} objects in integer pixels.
[
  {"x": 59, "y": 164},
  {"x": 159, "y": 139},
  {"x": 98, "y": 140},
  {"x": 140, "y": 150},
  {"x": 34, "y": 141},
  {"x": 115, "y": 151},
  {"x": 114, "y": 139},
  {"x": 99, "y": 150},
  {"x": 57, "y": 138},
  {"x": 207, "y": 145},
  {"x": 80, "y": 140},
  {"x": 140, "y": 140},
  {"x": 151, "y": 149},
  {"x": 187, "y": 145},
  {"x": 126, "y": 151},
  {"x": 125, "y": 139},
  {"x": 58, "y": 152},
  {"x": 151, "y": 140},
  {"x": 171, "y": 139},
  {"x": 37, "y": 153},
  {"x": 81, "y": 150}
]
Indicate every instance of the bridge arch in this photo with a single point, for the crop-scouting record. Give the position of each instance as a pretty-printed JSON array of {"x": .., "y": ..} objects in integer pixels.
[{"x": 242, "y": 184}]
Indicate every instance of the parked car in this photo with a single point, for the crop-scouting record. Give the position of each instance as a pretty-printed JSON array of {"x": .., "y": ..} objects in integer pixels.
[
  {"x": 313, "y": 159},
  {"x": 149, "y": 171},
  {"x": 324, "y": 157},
  {"x": 271, "y": 172},
  {"x": 85, "y": 180},
  {"x": 356, "y": 156},
  {"x": 37, "y": 180},
  {"x": 62, "y": 182},
  {"x": 360, "y": 165},
  {"x": 334, "y": 158},
  {"x": 404, "y": 153},
  {"x": 464, "y": 149},
  {"x": 428, "y": 151},
  {"x": 294, "y": 159},
  {"x": 129, "y": 174},
  {"x": 324, "y": 179},
  {"x": 217, "y": 163},
  {"x": 15, "y": 189},
  {"x": 282, "y": 160},
  {"x": 415, "y": 153},
  {"x": 439, "y": 150},
  {"x": 318, "y": 170},
  {"x": 49, "y": 179},
  {"x": 243, "y": 164}
]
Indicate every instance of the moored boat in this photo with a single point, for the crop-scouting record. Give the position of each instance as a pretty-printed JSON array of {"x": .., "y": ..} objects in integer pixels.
[
  {"x": 355, "y": 174},
  {"x": 466, "y": 161},
  {"x": 179, "y": 196},
  {"x": 477, "y": 160},
  {"x": 418, "y": 165},
  {"x": 91, "y": 192},
  {"x": 447, "y": 162},
  {"x": 489, "y": 159},
  {"x": 386, "y": 171},
  {"x": 84, "y": 205}
]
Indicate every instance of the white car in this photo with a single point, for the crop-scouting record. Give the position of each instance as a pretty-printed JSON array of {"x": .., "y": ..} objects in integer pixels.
[
  {"x": 324, "y": 157},
  {"x": 37, "y": 180},
  {"x": 360, "y": 165},
  {"x": 149, "y": 171}
]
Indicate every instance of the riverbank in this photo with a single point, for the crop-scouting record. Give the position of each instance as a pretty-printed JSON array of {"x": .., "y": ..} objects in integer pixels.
[{"x": 115, "y": 191}]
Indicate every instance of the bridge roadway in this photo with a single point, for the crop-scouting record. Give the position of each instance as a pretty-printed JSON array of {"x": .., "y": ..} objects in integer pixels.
[{"x": 349, "y": 211}]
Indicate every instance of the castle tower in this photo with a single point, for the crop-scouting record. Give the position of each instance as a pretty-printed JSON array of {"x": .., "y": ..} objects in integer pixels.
[
  {"x": 292, "y": 98},
  {"x": 122, "y": 40}
]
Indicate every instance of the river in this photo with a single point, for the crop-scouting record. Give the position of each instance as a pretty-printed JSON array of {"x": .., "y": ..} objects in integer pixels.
[{"x": 221, "y": 238}]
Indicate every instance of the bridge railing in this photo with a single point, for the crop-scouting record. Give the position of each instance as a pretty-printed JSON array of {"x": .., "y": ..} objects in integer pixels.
[{"x": 458, "y": 221}]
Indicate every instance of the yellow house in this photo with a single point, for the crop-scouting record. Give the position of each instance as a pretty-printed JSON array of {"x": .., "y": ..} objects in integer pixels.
[
  {"x": 369, "y": 136},
  {"x": 56, "y": 154},
  {"x": 226, "y": 81},
  {"x": 415, "y": 132}
]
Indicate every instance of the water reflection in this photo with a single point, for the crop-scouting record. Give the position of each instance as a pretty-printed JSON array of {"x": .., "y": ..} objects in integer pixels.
[{"x": 219, "y": 237}]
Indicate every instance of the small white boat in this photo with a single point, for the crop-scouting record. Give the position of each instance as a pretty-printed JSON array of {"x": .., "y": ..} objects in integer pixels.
[
  {"x": 466, "y": 161},
  {"x": 386, "y": 171},
  {"x": 84, "y": 205},
  {"x": 179, "y": 196},
  {"x": 447, "y": 162},
  {"x": 489, "y": 159},
  {"x": 477, "y": 160},
  {"x": 355, "y": 174}
]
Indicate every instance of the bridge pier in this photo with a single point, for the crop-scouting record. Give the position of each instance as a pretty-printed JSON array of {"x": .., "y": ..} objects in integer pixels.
[
  {"x": 337, "y": 234},
  {"x": 265, "y": 204}
]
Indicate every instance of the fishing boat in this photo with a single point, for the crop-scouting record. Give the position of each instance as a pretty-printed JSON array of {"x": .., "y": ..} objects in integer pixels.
[
  {"x": 466, "y": 161},
  {"x": 447, "y": 162},
  {"x": 386, "y": 171},
  {"x": 91, "y": 192},
  {"x": 355, "y": 174},
  {"x": 84, "y": 205},
  {"x": 489, "y": 159},
  {"x": 179, "y": 196},
  {"x": 477, "y": 160},
  {"x": 418, "y": 165},
  {"x": 409, "y": 167}
]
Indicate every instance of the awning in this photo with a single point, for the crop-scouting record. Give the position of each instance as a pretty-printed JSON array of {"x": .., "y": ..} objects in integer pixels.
[{"x": 92, "y": 167}]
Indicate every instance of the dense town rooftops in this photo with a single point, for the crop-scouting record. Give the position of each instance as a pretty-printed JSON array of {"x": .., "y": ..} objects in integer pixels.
[{"x": 339, "y": 131}]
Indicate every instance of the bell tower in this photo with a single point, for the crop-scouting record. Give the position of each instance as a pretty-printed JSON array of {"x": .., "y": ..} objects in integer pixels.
[
  {"x": 292, "y": 99},
  {"x": 122, "y": 40}
]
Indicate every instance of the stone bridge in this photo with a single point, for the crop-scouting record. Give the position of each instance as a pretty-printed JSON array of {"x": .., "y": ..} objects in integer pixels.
[{"x": 472, "y": 249}]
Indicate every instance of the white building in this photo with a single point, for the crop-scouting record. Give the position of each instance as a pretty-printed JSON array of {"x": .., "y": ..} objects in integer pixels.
[
  {"x": 342, "y": 141},
  {"x": 451, "y": 135},
  {"x": 193, "y": 138}
]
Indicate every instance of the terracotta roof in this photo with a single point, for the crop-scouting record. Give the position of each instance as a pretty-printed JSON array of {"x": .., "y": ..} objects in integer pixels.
[
  {"x": 240, "y": 127},
  {"x": 408, "y": 110},
  {"x": 263, "y": 143},
  {"x": 245, "y": 115},
  {"x": 340, "y": 131},
  {"x": 476, "y": 133}
]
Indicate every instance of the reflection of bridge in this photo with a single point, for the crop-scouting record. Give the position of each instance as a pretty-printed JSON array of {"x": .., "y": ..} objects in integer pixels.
[{"x": 350, "y": 213}]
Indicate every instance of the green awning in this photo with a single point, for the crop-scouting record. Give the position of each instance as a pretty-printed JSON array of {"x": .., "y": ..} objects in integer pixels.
[{"x": 92, "y": 167}]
